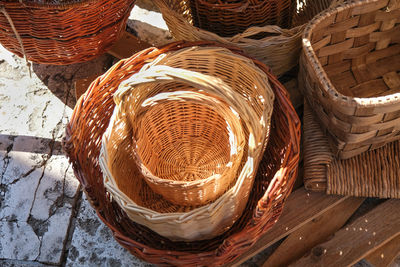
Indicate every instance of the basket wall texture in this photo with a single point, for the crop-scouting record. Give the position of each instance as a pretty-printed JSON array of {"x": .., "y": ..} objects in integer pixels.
[
  {"x": 227, "y": 18},
  {"x": 279, "y": 48},
  {"x": 188, "y": 145},
  {"x": 350, "y": 74},
  {"x": 274, "y": 180},
  {"x": 248, "y": 94},
  {"x": 62, "y": 32}
]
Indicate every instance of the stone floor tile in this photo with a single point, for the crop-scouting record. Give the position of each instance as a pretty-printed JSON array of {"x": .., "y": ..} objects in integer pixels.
[
  {"x": 18, "y": 241},
  {"x": 93, "y": 244},
  {"x": 19, "y": 180}
]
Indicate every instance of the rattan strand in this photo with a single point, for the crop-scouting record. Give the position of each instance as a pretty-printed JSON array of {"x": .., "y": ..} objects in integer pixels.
[
  {"x": 249, "y": 94},
  {"x": 278, "y": 48},
  {"x": 350, "y": 73},
  {"x": 273, "y": 183},
  {"x": 63, "y": 33},
  {"x": 371, "y": 174}
]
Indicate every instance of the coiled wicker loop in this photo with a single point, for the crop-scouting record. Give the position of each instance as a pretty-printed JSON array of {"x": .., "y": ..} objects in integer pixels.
[
  {"x": 62, "y": 32},
  {"x": 273, "y": 183},
  {"x": 252, "y": 101}
]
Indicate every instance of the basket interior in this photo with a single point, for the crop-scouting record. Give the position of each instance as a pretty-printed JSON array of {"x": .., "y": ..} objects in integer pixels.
[
  {"x": 184, "y": 141},
  {"x": 360, "y": 53},
  {"x": 123, "y": 166}
]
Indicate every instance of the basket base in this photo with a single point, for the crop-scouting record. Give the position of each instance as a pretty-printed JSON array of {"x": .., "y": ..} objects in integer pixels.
[{"x": 371, "y": 174}]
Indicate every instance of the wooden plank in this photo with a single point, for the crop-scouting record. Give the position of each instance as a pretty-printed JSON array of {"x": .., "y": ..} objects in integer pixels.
[
  {"x": 127, "y": 45},
  {"x": 385, "y": 255},
  {"x": 301, "y": 207},
  {"x": 354, "y": 242},
  {"x": 313, "y": 233}
]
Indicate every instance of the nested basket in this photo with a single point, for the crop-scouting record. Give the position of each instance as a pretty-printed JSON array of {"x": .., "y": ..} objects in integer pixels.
[
  {"x": 227, "y": 18},
  {"x": 277, "y": 47},
  {"x": 61, "y": 31},
  {"x": 350, "y": 73},
  {"x": 274, "y": 180},
  {"x": 187, "y": 145},
  {"x": 248, "y": 95}
]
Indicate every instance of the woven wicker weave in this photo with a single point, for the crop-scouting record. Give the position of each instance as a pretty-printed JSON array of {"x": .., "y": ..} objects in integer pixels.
[
  {"x": 188, "y": 145},
  {"x": 62, "y": 32},
  {"x": 230, "y": 18},
  {"x": 249, "y": 95},
  {"x": 278, "y": 48},
  {"x": 273, "y": 182},
  {"x": 350, "y": 73},
  {"x": 371, "y": 174}
]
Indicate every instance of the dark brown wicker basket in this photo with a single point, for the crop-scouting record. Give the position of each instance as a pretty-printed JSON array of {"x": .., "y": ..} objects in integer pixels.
[
  {"x": 273, "y": 183},
  {"x": 62, "y": 32},
  {"x": 229, "y": 18}
]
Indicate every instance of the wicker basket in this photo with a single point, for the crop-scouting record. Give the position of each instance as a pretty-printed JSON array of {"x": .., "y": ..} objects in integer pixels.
[
  {"x": 61, "y": 32},
  {"x": 350, "y": 73},
  {"x": 251, "y": 100},
  {"x": 278, "y": 48},
  {"x": 188, "y": 145},
  {"x": 275, "y": 177},
  {"x": 227, "y": 18},
  {"x": 373, "y": 173}
]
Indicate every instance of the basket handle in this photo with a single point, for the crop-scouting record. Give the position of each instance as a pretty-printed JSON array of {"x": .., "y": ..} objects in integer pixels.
[
  {"x": 265, "y": 29},
  {"x": 203, "y": 82}
]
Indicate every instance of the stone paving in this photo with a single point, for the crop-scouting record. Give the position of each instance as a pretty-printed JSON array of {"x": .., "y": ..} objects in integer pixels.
[{"x": 45, "y": 220}]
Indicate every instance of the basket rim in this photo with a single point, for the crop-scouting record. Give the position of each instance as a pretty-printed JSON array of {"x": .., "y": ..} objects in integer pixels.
[
  {"x": 61, "y": 6},
  {"x": 319, "y": 71},
  {"x": 242, "y": 5}
]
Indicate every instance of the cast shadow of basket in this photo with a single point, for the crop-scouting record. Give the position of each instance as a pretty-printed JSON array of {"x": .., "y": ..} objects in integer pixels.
[
  {"x": 30, "y": 144},
  {"x": 60, "y": 79}
]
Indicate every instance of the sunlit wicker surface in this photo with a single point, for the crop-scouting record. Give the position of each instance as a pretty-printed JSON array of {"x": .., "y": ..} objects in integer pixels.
[{"x": 62, "y": 32}]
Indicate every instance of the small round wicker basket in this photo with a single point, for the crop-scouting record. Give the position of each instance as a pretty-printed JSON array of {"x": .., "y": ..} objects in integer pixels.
[{"x": 188, "y": 145}]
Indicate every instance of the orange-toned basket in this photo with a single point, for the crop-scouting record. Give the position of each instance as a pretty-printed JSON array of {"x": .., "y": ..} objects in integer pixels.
[
  {"x": 61, "y": 32},
  {"x": 275, "y": 177},
  {"x": 187, "y": 145},
  {"x": 227, "y": 18}
]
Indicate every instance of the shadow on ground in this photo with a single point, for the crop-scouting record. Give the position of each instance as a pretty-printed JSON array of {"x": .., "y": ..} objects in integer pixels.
[{"x": 60, "y": 79}]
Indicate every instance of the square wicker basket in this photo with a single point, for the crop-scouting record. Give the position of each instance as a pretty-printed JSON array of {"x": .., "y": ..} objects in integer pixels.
[{"x": 350, "y": 74}]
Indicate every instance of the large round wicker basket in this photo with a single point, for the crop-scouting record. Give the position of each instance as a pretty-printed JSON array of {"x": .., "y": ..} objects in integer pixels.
[
  {"x": 62, "y": 32},
  {"x": 273, "y": 182}
]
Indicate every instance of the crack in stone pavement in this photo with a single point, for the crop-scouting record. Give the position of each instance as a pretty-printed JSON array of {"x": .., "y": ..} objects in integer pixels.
[
  {"x": 6, "y": 160},
  {"x": 44, "y": 117}
]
